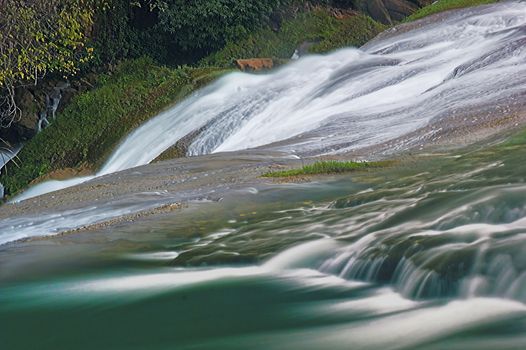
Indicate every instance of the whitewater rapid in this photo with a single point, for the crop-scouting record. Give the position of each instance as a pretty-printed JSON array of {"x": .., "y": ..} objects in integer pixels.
[{"x": 462, "y": 68}]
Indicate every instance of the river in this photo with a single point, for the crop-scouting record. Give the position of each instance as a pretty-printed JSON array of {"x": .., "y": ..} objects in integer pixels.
[
  {"x": 425, "y": 255},
  {"x": 428, "y": 253}
]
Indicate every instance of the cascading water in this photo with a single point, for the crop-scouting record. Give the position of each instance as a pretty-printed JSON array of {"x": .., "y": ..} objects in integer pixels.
[
  {"x": 466, "y": 70},
  {"x": 428, "y": 254}
]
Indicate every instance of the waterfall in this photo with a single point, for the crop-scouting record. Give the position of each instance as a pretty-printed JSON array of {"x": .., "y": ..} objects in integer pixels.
[{"x": 460, "y": 72}]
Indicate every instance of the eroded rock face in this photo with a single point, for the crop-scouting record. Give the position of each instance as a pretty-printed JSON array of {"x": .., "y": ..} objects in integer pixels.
[
  {"x": 399, "y": 9},
  {"x": 389, "y": 11},
  {"x": 180, "y": 148},
  {"x": 255, "y": 64},
  {"x": 38, "y": 106},
  {"x": 26, "y": 126}
]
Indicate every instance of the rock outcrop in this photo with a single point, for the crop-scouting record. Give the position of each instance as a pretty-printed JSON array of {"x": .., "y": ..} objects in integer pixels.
[
  {"x": 389, "y": 11},
  {"x": 38, "y": 106},
  {"x": 254, "y": 64}
]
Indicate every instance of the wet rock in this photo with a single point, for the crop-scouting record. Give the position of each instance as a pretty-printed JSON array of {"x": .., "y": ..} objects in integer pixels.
[
  {"x": 389, "y": 11},
  {"x": 65, "y": 173},
  {"x": 376, "y": 9},
  {"x": 25, "y": 127},
  {"x": 399, "y": 9},
  {"x": 180, "y": 148}
]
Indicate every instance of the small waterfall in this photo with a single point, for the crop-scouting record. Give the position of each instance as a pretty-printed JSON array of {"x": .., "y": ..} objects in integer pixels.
[
  {"x": 7, "y": 153},
  {"x": 475, "y": 247},
  {"x": 462, "y": 71}
]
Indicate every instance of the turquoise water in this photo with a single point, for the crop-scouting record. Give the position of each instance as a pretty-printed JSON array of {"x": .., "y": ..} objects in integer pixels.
[{"x": 427, "y": 254}]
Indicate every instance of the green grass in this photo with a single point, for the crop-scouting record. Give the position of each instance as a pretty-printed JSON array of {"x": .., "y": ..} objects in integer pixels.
[
  {"x": 318, "y": 26},
  {"x": 444, "y": 5},
  {"x": 326, "y": 167},
  {"x": 86, "y": 132}
]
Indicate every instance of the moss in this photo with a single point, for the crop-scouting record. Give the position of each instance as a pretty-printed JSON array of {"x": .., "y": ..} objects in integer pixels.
[
  {"x": 327, "y": 167},
  {"x": 444, "y": 5},
  {"x": 354, "y": 31},
  {"x": 319, "y": 27},
  {"x": 95, "y": 121}
]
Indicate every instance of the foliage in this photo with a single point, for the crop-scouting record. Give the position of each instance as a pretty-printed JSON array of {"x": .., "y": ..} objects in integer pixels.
[
  {"x": 444, "y": 5},
  {"x": 39, "y": 37},
  {"x": 127, "y": 29},
  {"x": 210, "y": 24},
  {"x": 326, "y": 167},
  {"x": 114, "y": 38},
  {"x": 319, "y": 27},
  {"x": 97, "y": 120}
]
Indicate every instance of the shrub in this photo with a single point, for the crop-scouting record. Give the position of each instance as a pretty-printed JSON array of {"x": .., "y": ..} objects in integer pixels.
[{"x": 319, "y": 27}]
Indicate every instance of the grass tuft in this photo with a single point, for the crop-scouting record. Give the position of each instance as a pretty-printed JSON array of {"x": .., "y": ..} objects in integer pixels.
[{"x": 327, "y": 167}]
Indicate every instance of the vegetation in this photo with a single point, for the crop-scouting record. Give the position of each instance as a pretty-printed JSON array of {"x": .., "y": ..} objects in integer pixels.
[
  {"x": 39, "y": 37},
  {"x": 96, "y": 121},
  {"x": 176, "y": 31},
  {"x": 326, "y": 167},
  {"x": 209, "y": 24},
  {"x": 116, "y": 37},
  {"x": 65, "y": 37},
  {"x": 319, "y": 27},
  {"x": 444, "y": 5}
]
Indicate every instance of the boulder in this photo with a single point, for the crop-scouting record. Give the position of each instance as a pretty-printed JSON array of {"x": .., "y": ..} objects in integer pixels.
[
  {"x": 25, "y": 127},
  {"x": 376, "y": 9},
  {"x": 254, "y": 64},
  {"x": 399, "y": 9},
  {"x": 38, "y": 106}
]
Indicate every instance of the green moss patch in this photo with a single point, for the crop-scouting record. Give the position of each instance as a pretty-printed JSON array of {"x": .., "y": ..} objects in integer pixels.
[
  {"x": 319, "y": 27},
  {"x": 327, "y": 167},
  {"x": 444, "y": 5}
]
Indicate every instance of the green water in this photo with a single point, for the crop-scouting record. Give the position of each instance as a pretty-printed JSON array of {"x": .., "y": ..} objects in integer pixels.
[{"x": 428, "y": 254}]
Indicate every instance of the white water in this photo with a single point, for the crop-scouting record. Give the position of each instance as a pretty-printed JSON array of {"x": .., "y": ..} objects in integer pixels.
[
  {"x": 473, "y": 61},
  {"x": 7, "y": 154}
]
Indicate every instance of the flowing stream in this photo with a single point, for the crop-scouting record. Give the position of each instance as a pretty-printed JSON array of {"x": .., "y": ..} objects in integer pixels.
[
  {"x": 457, "y": 72},
  {"x": 429, "y": 253}
]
